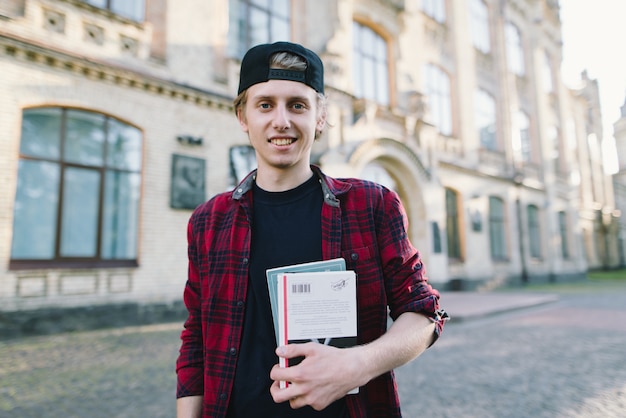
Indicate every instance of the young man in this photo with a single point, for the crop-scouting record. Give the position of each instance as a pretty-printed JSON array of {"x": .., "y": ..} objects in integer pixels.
[{"x": 288, "y": 212}]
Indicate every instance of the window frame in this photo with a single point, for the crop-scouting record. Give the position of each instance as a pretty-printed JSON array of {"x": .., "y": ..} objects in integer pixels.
[
  {"x": 241, "y": 17},
  {"x": 105, "y": 169}
]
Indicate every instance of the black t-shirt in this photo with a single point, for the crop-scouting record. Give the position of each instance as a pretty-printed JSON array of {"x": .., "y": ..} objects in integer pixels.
[{"x": 286, "y": 229}]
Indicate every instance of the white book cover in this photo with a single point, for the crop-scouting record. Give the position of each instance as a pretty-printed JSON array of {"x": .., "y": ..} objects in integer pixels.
[{"x": 319, "y": 307}]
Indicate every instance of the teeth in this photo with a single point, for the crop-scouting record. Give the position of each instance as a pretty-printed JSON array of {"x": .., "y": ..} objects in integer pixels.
[{"x": 282, "y": 141}]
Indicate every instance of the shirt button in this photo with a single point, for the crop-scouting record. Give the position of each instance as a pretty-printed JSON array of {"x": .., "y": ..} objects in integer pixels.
[
  {"x": 223, "y": 396},
  {"x": 245, "y": 260},
  {"x": 354, "y": 256},
  {"x": 239, "y": 304},
  {"x": 233, "y": 351}
]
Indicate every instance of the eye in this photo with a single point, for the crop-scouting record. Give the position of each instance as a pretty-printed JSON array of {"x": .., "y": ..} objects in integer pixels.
[
  {"x": 299, "y": 106},
  {"x": 264, "y": 105}
]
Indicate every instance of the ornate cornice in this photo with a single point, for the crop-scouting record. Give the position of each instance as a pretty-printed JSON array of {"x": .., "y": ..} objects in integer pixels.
[{"x": 27, "y": 51}]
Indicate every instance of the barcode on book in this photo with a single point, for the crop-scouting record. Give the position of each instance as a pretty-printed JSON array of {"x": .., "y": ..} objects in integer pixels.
[{"x": 301, "y": 288}]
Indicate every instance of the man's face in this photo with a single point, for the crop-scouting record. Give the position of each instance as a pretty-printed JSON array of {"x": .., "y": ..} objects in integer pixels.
[{"x": 281, "y": 118}]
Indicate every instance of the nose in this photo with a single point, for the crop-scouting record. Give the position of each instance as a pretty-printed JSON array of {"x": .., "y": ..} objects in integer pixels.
[{"x": 281, "y": 119}]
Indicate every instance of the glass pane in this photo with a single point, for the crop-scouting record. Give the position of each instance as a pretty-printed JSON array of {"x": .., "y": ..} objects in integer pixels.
[
  {"x": 84, "y": 138},
  {"x": 35, "y": 211},
  {"x": 382, "y": 90},
  {"x": 121, "y": 215},
  {"x": 133, "y": 9},
  {"x": 241, "y": 38},
  {"x": 281, "y": 8},
  {"x": 280, "y": 30},
  {"x": 97, "y": 3},
  {"x": 368, "y": 80},
  {"x": 123, "y": 146},
  {"x": 259, "y": 26},
  {"x": 41, "y": 130},
  {"x": 79, "y": 219}
]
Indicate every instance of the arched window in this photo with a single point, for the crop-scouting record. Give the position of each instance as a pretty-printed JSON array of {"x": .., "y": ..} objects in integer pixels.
[
  {"x": 453, "y": 233},
  {"x": 370, "y": 64},
  {"x": 485, "y": 114},
  {"x": 497, "y": 229},
  {"x": 78, "y": 189},
  {"x": 256, "y": 22},
  {"x": 437, "y": 88}
]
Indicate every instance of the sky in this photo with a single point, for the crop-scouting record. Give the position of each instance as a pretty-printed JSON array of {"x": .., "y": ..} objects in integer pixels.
[{"x": 594, "y": 35}]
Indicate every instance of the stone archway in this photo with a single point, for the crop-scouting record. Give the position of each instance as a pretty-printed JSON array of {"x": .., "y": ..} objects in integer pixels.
[{"x": 404, "y": 172}]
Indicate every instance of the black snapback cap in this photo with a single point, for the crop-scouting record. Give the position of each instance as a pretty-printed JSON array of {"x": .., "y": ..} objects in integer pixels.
[{"x": 255, "y": 66}]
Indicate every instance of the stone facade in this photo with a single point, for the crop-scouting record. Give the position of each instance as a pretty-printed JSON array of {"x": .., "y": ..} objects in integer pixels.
[{"x": 173, "y": 76}]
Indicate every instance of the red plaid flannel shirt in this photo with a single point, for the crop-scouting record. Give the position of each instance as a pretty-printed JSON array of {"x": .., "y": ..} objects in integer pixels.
[{"x": 361, "y": 221}]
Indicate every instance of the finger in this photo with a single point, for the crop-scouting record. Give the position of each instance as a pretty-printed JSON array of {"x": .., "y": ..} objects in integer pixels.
[
  {"x": 295, "y": 350},
  {"x": 282, "y": 395},
  {"x": 278, "y": 373}
]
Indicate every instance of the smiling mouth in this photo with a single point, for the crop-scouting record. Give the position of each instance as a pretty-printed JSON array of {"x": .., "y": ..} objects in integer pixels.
[{"x": 282, "y": 141}]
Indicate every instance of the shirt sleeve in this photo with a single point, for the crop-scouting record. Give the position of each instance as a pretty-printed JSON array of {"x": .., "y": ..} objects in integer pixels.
[
  {"x": 406, "y": 282},
  {"x": 190, "y": 362}
]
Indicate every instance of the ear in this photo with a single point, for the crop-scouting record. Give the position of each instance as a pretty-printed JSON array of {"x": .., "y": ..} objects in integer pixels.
[{"x": 241, "y": 117}]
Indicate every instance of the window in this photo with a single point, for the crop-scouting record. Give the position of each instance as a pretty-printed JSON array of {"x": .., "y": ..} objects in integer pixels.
[
  {"x": 523, "y": 149},
  {"x": 132, "y": 9},
  {"x": 435, "y": 9},
  {"x": 84, "y": 169},
  {"x": 437, "y": 88},
  {"x": 486, "y": 119},
  {"x": 452, "y": 225},
  {"x": 497, "y": 229},
  {"x": 534, "y": 231},
  {"x": 256, "y": 22},
  {"x": 479, "y": 15},
  {"x": 563, "y": 234},
  {"x": 369, "y": 64},
  {"x": 514, "y": 49}
]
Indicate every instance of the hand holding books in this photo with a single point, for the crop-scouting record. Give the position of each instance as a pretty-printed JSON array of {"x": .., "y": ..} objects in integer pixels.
[{"x": 313, "y": 302}]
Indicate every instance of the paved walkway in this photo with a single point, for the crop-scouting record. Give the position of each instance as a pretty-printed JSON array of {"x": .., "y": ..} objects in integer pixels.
[{"x": 464, "y": 306}]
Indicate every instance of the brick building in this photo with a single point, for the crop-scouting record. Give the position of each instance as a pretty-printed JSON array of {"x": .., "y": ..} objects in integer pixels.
[{"x": 117, "y": 120}]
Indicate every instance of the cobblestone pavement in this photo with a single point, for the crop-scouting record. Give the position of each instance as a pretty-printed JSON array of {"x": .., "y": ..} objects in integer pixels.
[{"x": 565, "y": 359}]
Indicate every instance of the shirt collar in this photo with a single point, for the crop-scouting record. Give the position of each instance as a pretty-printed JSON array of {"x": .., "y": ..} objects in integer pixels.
[{"x": 330, "y": 187}]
